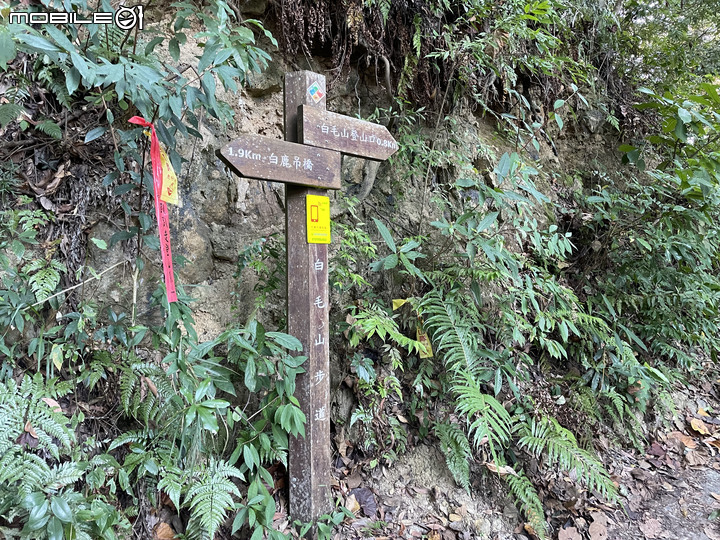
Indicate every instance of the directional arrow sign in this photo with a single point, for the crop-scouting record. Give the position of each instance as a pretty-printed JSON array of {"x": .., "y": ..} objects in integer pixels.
[
  {"x": 261, "y": 157},
  {"x": 348, "y": 135}
]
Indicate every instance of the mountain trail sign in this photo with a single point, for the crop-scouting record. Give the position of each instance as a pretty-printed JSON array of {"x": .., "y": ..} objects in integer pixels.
[{"x": 308, "y": 162}]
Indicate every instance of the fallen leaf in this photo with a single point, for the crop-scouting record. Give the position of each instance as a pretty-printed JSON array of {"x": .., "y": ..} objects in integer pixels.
[
  {"x": 151, "y": 385},
  {"x": 354, "y": 480},
  {"x": 502, "y": 471},
  {"x": 694, "y": 458},
  {"x": 434, "y": 535},
  {"x": 163, "y": 531},
  {"x": 454, "y": 517},
  {"x": 54, "y": 405},
  {"x": 686, "y": 440},
  {"x": 30, "y": 429},
  {"x": 702, "y": 412},
  {"x": 598, "y": 528},
  {"x": 352, "y": 504},
  {"x": 699, "y": 426},
  {"x": 367, "y": 501},
  {"x": 715, "y": 496},
  {"x": 651, "y": 528},
  {"x": 571, "y": 533},
  {"x": 712, "y": 441},
  {"x": 656, "y": 450}
]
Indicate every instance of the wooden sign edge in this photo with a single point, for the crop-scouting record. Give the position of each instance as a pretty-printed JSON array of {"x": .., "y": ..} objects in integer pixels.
[
  {"x": 301, "y": 134},
  {"x": 336, "y": 185}
]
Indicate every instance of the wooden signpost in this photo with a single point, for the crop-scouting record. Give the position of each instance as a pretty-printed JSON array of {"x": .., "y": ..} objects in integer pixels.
[{"x": 308, "y": 169}]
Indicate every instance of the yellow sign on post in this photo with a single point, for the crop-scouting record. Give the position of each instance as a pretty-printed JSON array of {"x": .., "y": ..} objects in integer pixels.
[{"x": 318, "y": 219}]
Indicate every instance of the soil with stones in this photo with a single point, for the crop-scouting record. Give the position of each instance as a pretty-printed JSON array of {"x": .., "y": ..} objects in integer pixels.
[{"x": 669, "y": 490}]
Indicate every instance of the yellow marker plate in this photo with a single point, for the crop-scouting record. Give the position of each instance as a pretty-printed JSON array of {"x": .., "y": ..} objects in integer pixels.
[
  {"x": 318, "y": 219},
  {"x": 169, "y": 192}
]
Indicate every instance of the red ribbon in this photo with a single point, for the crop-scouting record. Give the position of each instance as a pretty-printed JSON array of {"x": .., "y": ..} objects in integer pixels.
[{"x": 161, "y": 211}]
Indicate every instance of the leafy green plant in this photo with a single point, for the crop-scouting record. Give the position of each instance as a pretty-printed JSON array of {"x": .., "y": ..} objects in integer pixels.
[
  {"x": 39, "y": 467},
  {"x": 658, "y": 236}
]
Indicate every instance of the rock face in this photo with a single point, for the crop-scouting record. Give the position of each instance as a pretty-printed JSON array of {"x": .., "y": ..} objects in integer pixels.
[{"x": 219, "y": 214}]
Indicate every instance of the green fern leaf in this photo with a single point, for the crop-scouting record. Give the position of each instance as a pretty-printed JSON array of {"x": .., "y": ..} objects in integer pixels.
[
  {"x": 211, "y": 495},
  {"x": 50, "y": 128},
  {"x": 560, "y": 448},
  {"x": 9, "y": 112},
  {"x": 529, "y": 502},
  {"x": 486, "y": 416},
  {"x": 454, "y": 444}
]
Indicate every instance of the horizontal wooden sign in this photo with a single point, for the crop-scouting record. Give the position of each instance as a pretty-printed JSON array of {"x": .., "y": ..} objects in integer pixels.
[
  {"x": 255, "y": 156},
  {"x": 348, "y": 135}
]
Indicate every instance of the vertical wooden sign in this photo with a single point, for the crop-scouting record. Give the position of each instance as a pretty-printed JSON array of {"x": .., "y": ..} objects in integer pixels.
[
  {"x": 308, "y": 308},
  {"x": 308, "y": 169}
]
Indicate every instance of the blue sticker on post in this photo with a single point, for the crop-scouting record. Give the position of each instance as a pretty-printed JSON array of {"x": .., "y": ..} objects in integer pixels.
[{"x": 316, "y": 92}]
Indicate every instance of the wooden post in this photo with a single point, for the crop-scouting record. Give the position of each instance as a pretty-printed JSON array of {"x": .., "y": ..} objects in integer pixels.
[
  {"x": 308, "y": 308},
  {"x": 308, "y": 170}
]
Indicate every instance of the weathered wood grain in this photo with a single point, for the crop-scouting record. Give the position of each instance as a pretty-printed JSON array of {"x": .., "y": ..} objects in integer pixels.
[
  {"x": 255, "y": 156},
  {"x": 308, "y": 309},
  {"x": 345, "y": 134}
]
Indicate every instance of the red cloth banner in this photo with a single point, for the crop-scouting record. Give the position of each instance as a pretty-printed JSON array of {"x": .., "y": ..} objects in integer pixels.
[{"x": 161, "y": 211}]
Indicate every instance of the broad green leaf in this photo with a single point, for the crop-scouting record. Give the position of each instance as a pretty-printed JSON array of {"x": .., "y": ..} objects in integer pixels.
[
  {"x": 215, "y": 404},
  {"x": 258, "y": 534},
  {"x": 385, "y": 233},
  {"x": 56, "y": 356},
  {"x": 7, "y": 48},
  {"x": 465, "y": 183},
  {"x": 150, "y": 47},
  {"x": 498, "y": 381},
  {"x": 55, "y": 529},
  {"x": 684, "y": 115},
  {"x": 250, "y": 371},
  {"x": 72, "y": 80},
  {"x": 390, "y": 261},
  {"x": 285, "y": 340},
  {"x": 487, "y": 221},
  {"x": 503, "y": 167},
  {"x": 94, "y": 134},
  {"x": 59, "y": 37},
  {"x": 174, "y": 49},
  {"x": 681, "y": 131},
  {"x": 37, "y": 43},
  {"x": 558, "y": 103},
  {"x": 17, "y": 248},
  {"x": 61, "y": 509}
]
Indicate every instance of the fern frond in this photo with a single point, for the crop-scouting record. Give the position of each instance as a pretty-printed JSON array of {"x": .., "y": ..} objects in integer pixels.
[
  {"x": 453, "y": 332},
  {"x": 23, "y": 471},
  {"x": 456, "y": 447},
  {"x": 63, "y": 475},
  {"x": 45, "y": 280},
  {"x": 172, "y": 483},
  {"x": 56, "y": 85},
  {"x": 23, "y": 406},
  {"x": 210, "y": 497},
  {"x": 9, "y": 112},
  {"x": 528, "y": 500},
  {"x": 560, "y": 447},
  {"x": 485, "y": 415},
  {"x": 50, "y": 128},
  {"x": 616, "y": 401}
]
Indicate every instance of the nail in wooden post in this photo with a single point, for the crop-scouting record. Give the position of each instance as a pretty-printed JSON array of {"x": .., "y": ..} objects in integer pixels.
[{"x": 308, "y": 308}]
